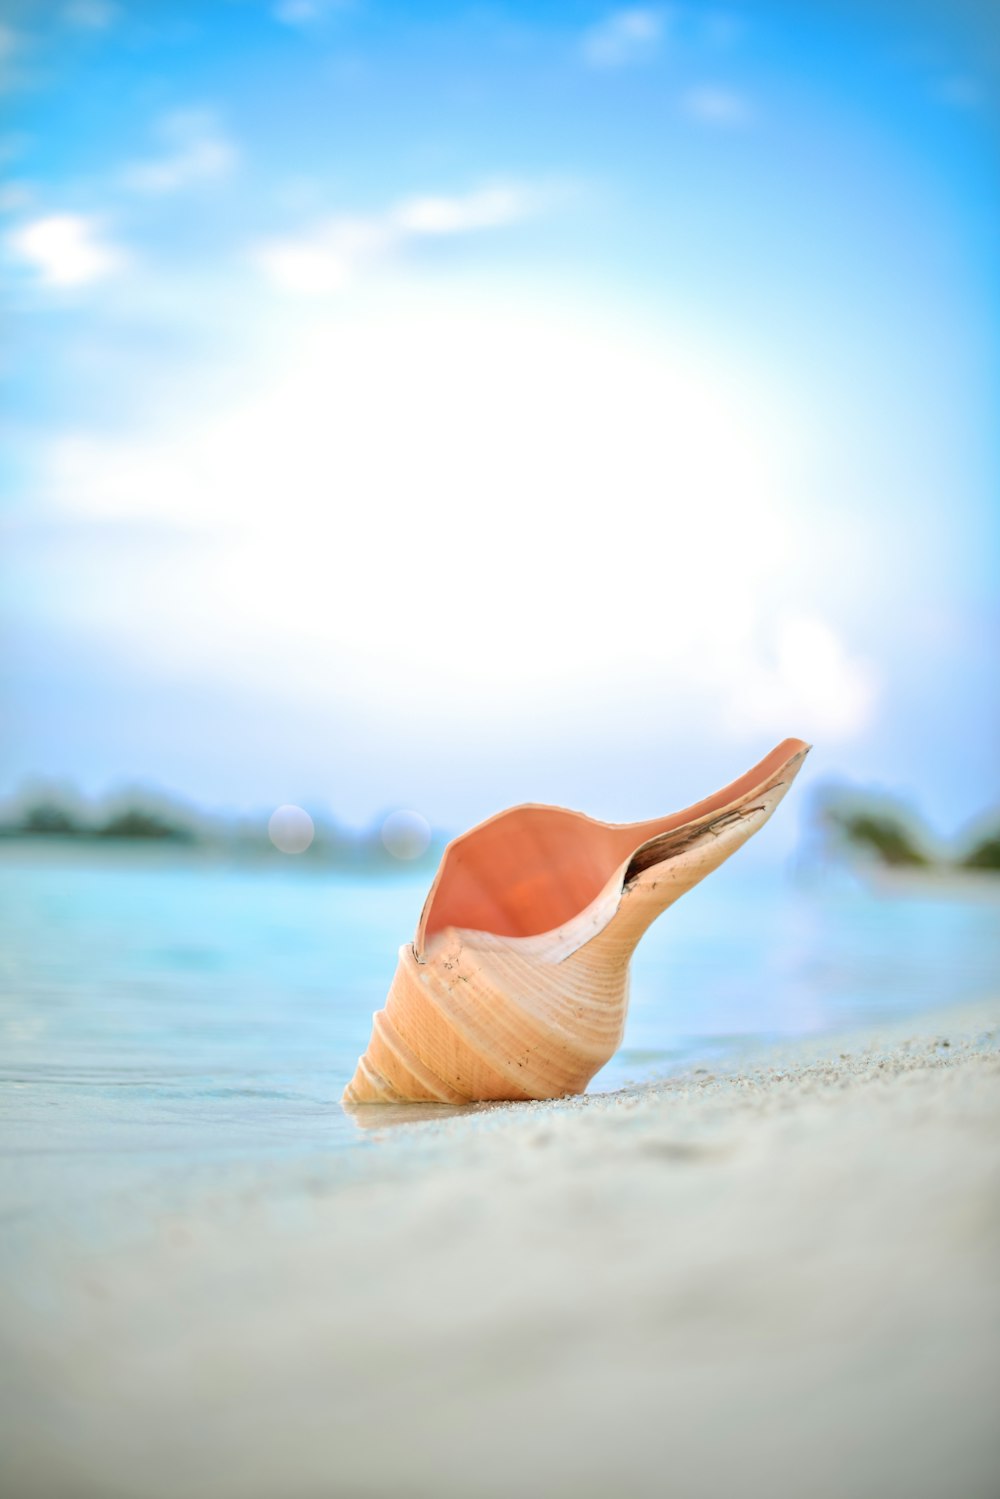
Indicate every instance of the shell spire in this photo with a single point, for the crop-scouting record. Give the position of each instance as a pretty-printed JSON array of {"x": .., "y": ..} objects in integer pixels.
[{"x": 516, "y": 984}]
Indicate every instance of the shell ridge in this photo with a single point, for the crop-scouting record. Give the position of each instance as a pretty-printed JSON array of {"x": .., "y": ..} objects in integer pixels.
[
  {"x": 495, "y": 1024},
  {"x": 574, "y": 1029},
  {"x": 423, "y": 1076},
  {"x": 433, "y": 992}
]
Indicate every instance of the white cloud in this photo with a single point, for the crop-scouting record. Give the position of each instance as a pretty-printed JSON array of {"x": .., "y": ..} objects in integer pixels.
[
  {"x": 326, "y": 259},
  {"x": 308, "y": 267},
  {"x": 91, "y": 15},
  {"x": 623, "y": 37},
  {"x": 714, "y": 105},
  {"x": 196, "y": 151},
  {"x": 808, "y": 679},
  {"x": 66, "y": 249},
  {"x": 487, "y": 208}
]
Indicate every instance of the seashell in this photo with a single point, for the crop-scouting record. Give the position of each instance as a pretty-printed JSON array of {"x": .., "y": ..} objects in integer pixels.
[{"x": 516, "y": 984}]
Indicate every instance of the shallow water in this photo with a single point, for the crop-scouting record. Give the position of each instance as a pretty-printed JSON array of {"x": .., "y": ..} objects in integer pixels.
[{"x": 164, "y": 1013}]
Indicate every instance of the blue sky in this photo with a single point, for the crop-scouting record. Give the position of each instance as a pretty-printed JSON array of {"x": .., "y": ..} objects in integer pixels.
[{"x": 452, "y": 406}]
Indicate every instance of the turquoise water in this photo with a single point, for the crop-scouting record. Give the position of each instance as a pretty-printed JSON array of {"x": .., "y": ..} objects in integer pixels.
[{"x": 162, "y": 1012}]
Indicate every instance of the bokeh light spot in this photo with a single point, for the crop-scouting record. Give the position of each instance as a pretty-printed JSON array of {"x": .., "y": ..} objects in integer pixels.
[
  {"x": 406, "y": 834},
  {"x": 290, "y": 829}
]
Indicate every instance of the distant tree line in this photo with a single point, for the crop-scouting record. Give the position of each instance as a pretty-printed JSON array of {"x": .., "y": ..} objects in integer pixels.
[
  {"x": 43, "y": 818},
  {"x": 863, "y": 826},
  {"x": 878, "y": 829},
  {"x": 58, "y": 813}
]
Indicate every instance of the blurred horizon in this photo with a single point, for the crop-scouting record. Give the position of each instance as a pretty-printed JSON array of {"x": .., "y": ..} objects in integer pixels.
[{"x": 446, "y": 408}]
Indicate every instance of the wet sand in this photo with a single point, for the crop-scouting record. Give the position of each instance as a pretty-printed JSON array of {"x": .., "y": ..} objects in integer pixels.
[{"x": 776, "y": 1280}]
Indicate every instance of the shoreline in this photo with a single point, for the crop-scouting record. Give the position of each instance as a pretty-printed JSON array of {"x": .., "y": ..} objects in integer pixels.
[{"x": 773, "y": 1277}]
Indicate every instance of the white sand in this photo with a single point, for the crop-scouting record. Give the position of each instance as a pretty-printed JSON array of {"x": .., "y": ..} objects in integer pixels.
[{"x": 781, "y": 1281}]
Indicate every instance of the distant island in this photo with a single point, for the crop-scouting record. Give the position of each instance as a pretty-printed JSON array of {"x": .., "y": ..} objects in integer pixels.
[
  {"x": 59, "y": 814},
  {"x": 847, "y": 825},
  {"x": 875, "y": 829}
]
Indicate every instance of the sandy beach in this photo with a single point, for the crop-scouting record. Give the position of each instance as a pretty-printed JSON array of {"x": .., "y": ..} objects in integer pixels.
[{"x": 779, "y": 1279}]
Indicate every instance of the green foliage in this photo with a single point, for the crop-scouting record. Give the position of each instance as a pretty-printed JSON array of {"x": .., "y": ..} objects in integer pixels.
[
  {"x": 883, "y": 834},
  {"x": 49, "y": 818},
  {"x": 984, "y": 855},
  {"x": 136, "y": 822},
  {"x": 871, "y": 826}
]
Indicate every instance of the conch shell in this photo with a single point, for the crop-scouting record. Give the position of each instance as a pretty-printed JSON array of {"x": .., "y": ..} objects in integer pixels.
[{"x": 516, "y": 985}]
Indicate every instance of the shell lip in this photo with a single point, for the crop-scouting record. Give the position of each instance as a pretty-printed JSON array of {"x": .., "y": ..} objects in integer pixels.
[{"x": 666, "y": 838}]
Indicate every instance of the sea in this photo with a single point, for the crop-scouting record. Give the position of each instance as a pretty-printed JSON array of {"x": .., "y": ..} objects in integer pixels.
[{"x": 166, "y": 1014}]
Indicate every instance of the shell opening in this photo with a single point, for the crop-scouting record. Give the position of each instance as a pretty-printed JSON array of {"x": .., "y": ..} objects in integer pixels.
[{"x": 533, "y": 868}]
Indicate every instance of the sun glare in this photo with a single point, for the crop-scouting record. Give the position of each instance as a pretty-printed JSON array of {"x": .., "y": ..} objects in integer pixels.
[{"x": 460, "y": 496}]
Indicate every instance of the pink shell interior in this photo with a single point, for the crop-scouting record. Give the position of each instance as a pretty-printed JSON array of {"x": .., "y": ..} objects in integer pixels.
[{"x": 533, "y": 868}]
